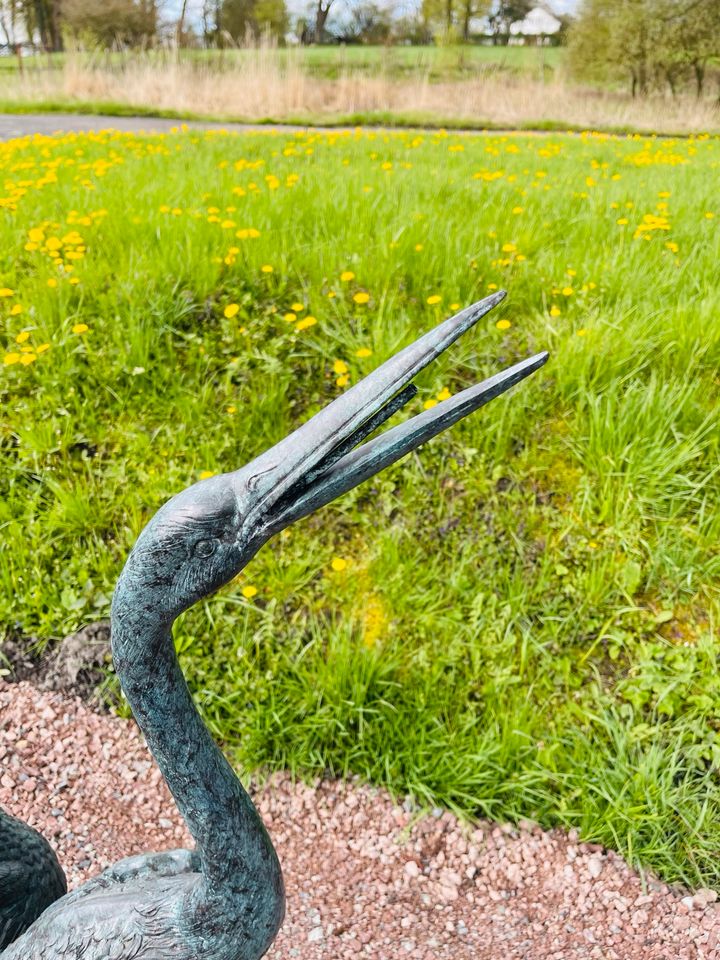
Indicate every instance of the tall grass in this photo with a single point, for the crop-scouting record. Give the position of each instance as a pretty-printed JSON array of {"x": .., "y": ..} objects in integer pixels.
[
  {"x": 521, "y": 619},
  {"x": 262, "y": 83}
]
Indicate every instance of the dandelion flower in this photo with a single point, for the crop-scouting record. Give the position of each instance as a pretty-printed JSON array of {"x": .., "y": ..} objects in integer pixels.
[
  {"x": 290, "y": 317},
  {"x": 231, "y": 409},
  {"x": 508, "y": 248},
  {"x": 6, "y": 292},
  {"x": 709, "y": 215},
  {"x": 249, "y": 592},
  {"x": 581, "y": 332},
  {"x": 429, "y": 404},
  {"x": 266, "y": 268},
  {"x": 206, "y": 474},
  {"x": 517, "y": 210},
  {"x": 27, "y": 358},
  {"x": 231, "y": 310},
  {"x": 567, "y": 291},
  {"x": 444, "y": 394},
  {"x": 17, "y": 309},
  {"x": 80, "y": 328},
  {"x": 22, "y": 336},
  {"x": 74, "y": 280},
  {"x": 554, "y": 310},
  {"x": 503, "y": 324},
  {"x": 672, "y": 246},
  {"x": 418, "y": 247},
  {"x": 434, "y": 299},
  {"x": 42, "y": 348},
  {"x": 621, "y": 221},
  {"x": 11, "y": 358},
  {"x": 361, "y": 297},
  {"x": 338, "y": 564},
  {"x": 347, "y": 275},
  {"x": 52, "y": 282},
  {"x": 297, "y": 307},
  {"x": 305, "y": 323},
  {"x": 343, "y": 380},
  {"x": 492, "y": 286},
  {"x": 363, "y": 352},
  {"x": 340, "y": 367},
  {"x": 454, "y": 306}
]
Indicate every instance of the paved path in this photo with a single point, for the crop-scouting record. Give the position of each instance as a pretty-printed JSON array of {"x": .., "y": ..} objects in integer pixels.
[{"x": 22, "y": 124}]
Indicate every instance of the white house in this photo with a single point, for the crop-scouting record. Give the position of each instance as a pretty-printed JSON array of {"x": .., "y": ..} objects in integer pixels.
[{"x": 538, "y": 26}]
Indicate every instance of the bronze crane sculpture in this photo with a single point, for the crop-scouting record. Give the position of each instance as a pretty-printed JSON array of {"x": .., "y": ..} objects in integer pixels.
[{"x": 224, "y": 900}]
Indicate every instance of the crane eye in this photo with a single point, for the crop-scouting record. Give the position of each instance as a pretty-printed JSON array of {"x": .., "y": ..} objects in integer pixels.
[{"x": 205, "y": 548}]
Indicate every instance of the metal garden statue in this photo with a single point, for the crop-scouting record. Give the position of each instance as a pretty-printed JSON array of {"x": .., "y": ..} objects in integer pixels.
[{"x": 224, "y": 900}]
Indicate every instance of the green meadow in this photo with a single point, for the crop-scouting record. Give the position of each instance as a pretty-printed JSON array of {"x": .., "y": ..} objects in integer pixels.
[{"x": 520, "y": 619}]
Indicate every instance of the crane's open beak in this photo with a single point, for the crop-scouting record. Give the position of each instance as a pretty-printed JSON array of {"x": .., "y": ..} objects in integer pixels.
[{"x": 317, "y": 462}]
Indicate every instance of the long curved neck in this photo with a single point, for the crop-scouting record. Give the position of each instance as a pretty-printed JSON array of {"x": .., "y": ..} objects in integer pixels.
[{"x": 237, "y": 855}]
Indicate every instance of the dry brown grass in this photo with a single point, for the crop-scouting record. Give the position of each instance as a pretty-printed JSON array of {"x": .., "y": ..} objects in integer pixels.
[{"x": 262, "y": 85}]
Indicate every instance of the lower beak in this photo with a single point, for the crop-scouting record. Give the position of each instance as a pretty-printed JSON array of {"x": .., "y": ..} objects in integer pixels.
[{"x": 317, "y": 463}]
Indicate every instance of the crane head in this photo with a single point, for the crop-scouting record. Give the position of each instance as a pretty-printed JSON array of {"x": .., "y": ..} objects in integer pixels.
[{"x": 205, "y": 535}]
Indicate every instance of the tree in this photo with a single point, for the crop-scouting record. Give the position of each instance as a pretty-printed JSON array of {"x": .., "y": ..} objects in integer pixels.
[
  {"x": 128, "y": 22},
  {"x": 453, "y": 17},
  {"x": 503, "y": 13}
]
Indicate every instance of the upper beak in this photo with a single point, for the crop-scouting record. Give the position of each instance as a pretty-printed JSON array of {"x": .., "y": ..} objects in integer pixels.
[{"x": 314, "y": 464}]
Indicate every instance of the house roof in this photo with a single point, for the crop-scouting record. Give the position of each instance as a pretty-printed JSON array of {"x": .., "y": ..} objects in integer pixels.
[{"x": 538, "y": 22}]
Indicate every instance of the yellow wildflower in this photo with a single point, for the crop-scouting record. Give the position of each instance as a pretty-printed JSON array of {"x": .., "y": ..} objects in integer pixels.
[
  {"x": 343, "y": 380},
  {"x": 567, "y": 291},
  {"x": 340, "y": 367},
  {"x": 305, "y": 323},
  {"x": 347, "y": 275},
  {"x": 434, "y": 299},
  {"x": 503, "y": 324},
  {"x": 266, "y": 268},
  {"x": 231, "y": 409},
  {"x": 52, "y": 282},
  {"x": 554, "y": 310},
  {"x": 363, "y": 352},
  {"x": 17, "y": 309},
  {"x": 249, "y": 592},
  {"x": 11, "y": 358},
  {"x": 6, "y": 292},
  {"x": 231, "y": 310},
  {"x": 418, "y": 247},
  {"x": 27, "y": 358},
  {"x": 80, "y": 328},
  {"x": 338, "y": 564},
  {"x": 297, "y": 307},
  {"x": 429, "y": 404},
  {"x": 22, "y": 336},
  {"x": 672, "y": 246},
  {"x": 361, "y": 297},
  {"x": 206, "y": 474},
  {"x": 42, "y": 348},
  {"x": 444, "y": 394},
  {"x": 290, "y": 317}
]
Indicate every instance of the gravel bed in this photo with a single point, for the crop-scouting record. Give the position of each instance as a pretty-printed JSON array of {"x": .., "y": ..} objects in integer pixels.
[{"x": 365, "y": 877}]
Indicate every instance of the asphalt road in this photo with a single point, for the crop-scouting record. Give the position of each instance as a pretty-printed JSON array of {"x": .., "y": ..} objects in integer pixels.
[{"x": 22, "y": 124}]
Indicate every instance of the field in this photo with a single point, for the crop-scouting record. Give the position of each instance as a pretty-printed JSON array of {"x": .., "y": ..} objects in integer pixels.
[
  {"x": 519, "y": 620},
  {"x": 475, "y": 87}
]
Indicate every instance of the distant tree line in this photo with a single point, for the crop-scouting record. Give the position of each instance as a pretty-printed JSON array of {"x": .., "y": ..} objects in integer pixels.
[
  {"x": 653, "y": 45},
  {"x": 224, "y": 23}
]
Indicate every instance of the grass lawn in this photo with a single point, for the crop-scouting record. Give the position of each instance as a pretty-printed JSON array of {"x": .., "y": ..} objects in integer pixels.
[
  {"x": 437, "y": 63},
  {"x": 520, "y": 619}
]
